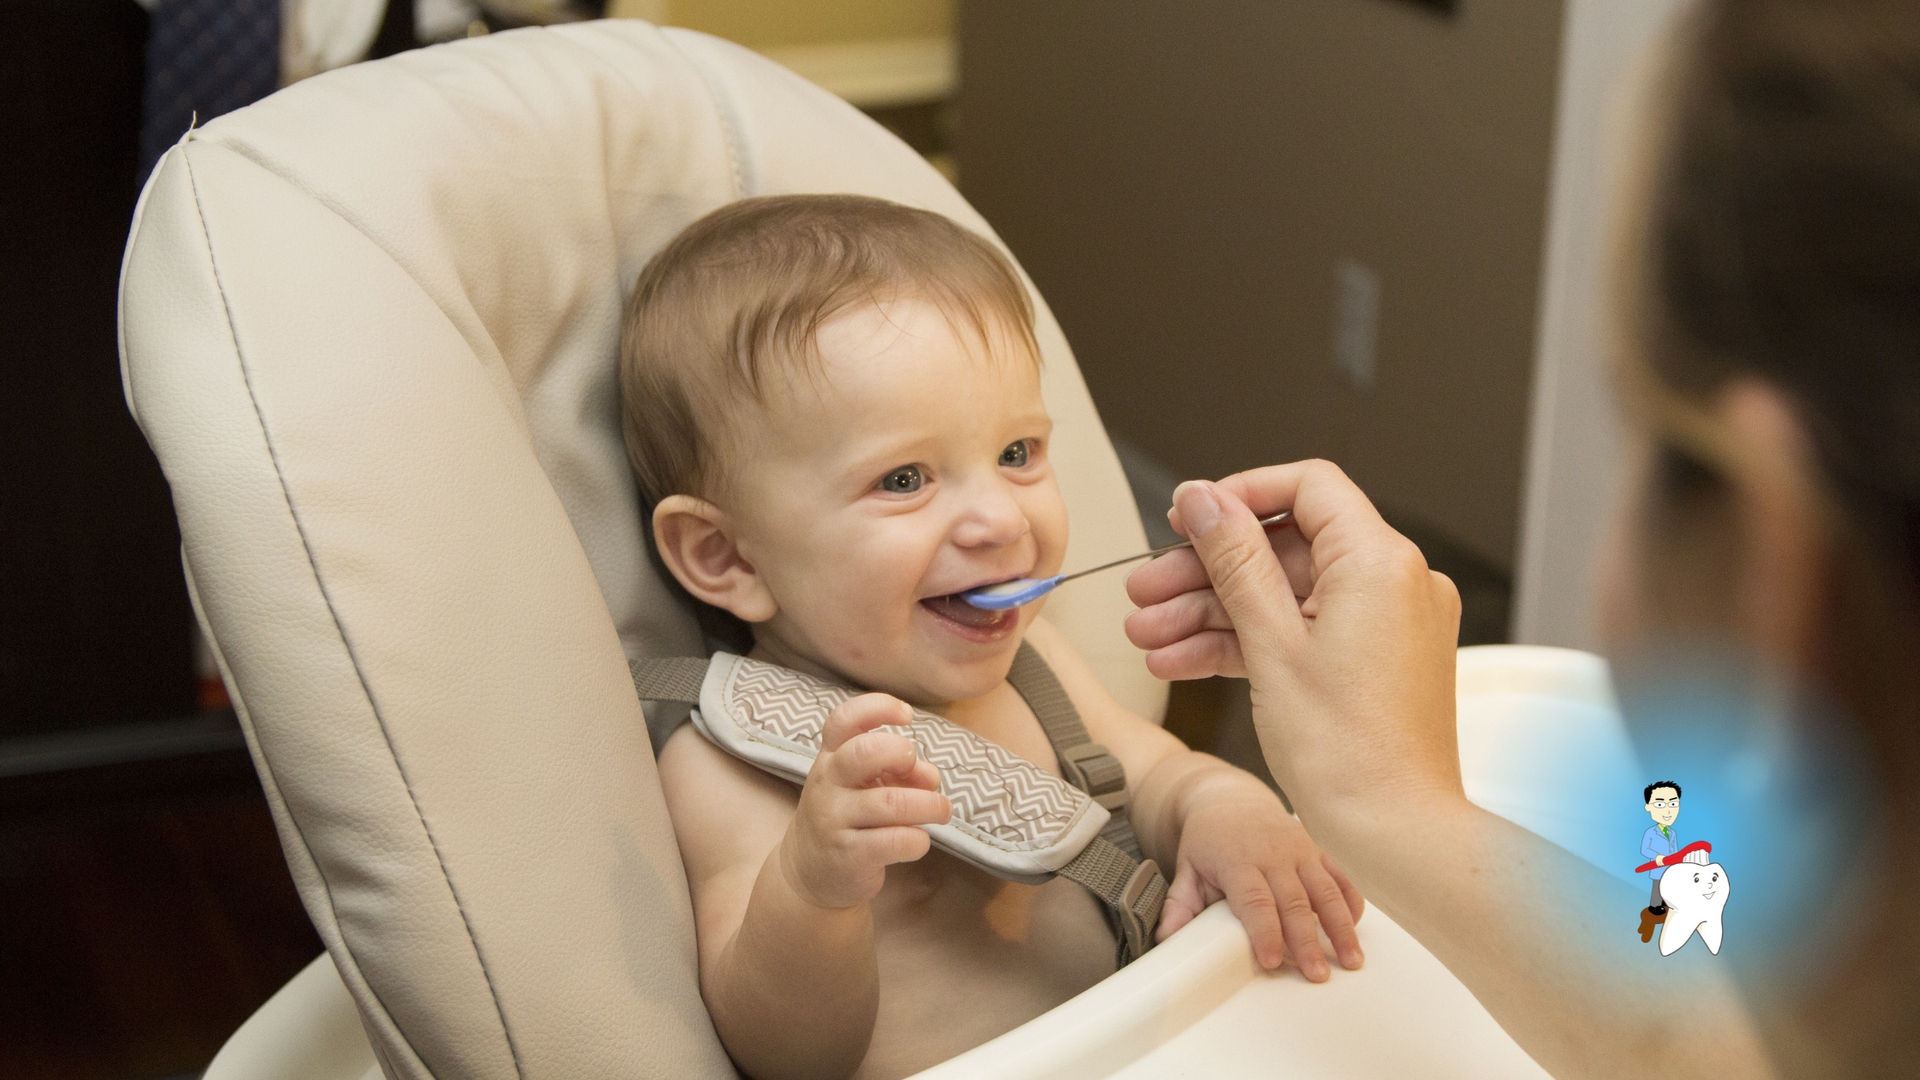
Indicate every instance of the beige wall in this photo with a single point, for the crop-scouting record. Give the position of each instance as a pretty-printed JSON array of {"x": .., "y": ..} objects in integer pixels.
[
  {"x": 764, "y": 23},
  {"x": 1182, "y": 180}
]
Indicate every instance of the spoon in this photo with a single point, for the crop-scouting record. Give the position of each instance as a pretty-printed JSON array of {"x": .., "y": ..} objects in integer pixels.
[{"x": 1023, "y": 591}]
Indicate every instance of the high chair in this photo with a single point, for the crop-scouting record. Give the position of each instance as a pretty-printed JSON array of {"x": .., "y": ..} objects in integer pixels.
[{"x": 368, "y": 326}]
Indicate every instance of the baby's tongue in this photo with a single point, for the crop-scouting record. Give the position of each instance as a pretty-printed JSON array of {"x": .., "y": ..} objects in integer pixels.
[{"x": 962, "y": 612}]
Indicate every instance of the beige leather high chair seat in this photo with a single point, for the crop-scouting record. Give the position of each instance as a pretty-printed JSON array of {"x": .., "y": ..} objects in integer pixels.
[{"x": 369, "y": 327}]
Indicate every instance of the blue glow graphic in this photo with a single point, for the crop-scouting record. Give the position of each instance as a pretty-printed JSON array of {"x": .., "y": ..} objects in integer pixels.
[{"x": 1769, "y": 775}]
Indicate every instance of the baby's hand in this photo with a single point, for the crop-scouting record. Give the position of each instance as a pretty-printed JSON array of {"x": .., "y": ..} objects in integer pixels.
[
  {"x": 1243, "y": 846},
  {"x": 864, "y": 795}
]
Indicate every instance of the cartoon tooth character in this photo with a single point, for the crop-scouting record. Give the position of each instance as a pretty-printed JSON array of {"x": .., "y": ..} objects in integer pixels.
[{"x": 1696, "y": 894}]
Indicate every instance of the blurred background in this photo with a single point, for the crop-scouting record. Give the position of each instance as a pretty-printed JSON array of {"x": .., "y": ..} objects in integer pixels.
[{"x": 1353, "y": 229}]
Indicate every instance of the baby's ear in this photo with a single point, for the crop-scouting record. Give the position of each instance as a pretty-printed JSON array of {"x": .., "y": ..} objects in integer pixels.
[{"x": 695, "y": 539}]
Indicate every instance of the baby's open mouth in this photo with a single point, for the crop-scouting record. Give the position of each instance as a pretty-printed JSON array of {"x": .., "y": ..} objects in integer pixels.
[{"x": 953, "y": 608}]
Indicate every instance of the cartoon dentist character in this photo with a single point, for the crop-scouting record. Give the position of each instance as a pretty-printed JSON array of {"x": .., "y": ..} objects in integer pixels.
[
  {"x": 1659, "y": 843},
  {"x": 1689, "y": 893},
  {"x": 1661, "y": 840}
]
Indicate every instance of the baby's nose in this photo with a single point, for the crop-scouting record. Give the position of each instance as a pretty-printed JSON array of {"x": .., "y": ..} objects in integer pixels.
[{"x": 993, "y": 519}]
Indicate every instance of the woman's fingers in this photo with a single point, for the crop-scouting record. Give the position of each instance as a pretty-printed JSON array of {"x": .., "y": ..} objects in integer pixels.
[
  {"x": 1246, "y": 574},
  {"x": 1318, "y": 492},
  {"x": 1159, "y": 580},
  {"x": 1202, "y": 656},
  {"x": 860, "y": 715},
  {"x": 1177, "y": 620}
]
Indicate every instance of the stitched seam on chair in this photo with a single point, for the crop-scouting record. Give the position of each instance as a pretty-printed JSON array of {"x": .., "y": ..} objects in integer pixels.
[
  {"x": 733, "y": 140},
  {"x": 270, "y": 785},
  {"x": 326, "y": 597},
  {"x": 248, "y": 153}
]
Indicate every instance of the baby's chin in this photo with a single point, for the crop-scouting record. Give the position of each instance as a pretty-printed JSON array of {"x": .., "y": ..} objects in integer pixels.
[
  {"x": 931, "y": 682},
  {"x": 927, "y": 679},
  {"x": 920, "y": 676}
]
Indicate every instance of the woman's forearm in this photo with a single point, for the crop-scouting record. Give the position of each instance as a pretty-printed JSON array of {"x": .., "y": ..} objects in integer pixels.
[
  {"x": 795, "y": 991},
  {"x": 1541, "y": 937}
]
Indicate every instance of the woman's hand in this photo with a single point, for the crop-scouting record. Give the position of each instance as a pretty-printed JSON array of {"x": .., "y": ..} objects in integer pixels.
[
  {"x": 1348, "y": 640},
  {"x": 1346, "y": 635}
]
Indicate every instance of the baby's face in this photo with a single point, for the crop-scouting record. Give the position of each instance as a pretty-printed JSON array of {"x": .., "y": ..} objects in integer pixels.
[{"x": 912, "y": 468}]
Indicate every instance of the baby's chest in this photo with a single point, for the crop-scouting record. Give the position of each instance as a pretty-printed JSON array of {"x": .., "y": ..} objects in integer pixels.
[{"x": 939, "y": 903}]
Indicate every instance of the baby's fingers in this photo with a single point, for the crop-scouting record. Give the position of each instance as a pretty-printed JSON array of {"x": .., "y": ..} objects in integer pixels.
[
  {"x": 880, "y": 807},
  {"x": 893, "y": 844},
  {"x": 1252, "y": 902},
  {"x": 874, "y": 758},
  {"x": 860, "y": 715},
  {"x": 1336, "y": 914},
  {"x": 1186, "y": 898},
  {"x": 1356, "y": 903},
  {"x": 1298, "y": 924}
]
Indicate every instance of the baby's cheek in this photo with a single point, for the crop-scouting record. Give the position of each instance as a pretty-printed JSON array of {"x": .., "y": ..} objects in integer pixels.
[{"x": 1047, "y": 514}]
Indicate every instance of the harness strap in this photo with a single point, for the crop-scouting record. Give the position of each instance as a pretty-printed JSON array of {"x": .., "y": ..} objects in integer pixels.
[
  {"x": 1111, "y": 866},
  {"x": 669, "y": 678},
  {"x": 1084, "y": 763},
  {"x": 1133, "y": 889}
]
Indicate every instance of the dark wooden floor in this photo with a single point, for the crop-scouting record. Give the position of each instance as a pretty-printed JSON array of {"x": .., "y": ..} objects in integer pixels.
[{"x": 144, "y": 913}]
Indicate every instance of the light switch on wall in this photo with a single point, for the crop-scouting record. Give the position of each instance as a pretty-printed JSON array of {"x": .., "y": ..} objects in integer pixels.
[{"x": 1356, "y": 322}]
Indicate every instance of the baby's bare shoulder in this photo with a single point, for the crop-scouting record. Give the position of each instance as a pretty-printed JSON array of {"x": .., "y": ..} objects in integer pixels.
[{"x": 727, "y": 815}]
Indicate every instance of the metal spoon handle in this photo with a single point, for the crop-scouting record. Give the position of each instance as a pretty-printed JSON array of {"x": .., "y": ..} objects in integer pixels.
[{"x": 1280, "y": 518}]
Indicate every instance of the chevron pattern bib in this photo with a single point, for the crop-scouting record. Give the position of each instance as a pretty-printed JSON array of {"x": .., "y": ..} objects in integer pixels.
[{"x": 1011, "y": 818}]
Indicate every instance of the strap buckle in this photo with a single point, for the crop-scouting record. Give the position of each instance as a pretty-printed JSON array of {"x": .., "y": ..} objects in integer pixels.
[
  {"x": 1093, "y": 769},
  {"x": 1139, "y": 909}
]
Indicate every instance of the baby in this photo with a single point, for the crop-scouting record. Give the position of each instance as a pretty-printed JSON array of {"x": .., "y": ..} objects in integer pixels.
[{"x": 834, "y": 403}]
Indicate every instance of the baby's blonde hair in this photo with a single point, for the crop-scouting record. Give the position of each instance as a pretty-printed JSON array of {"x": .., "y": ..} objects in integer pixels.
[{"x": 748, "y": 287}]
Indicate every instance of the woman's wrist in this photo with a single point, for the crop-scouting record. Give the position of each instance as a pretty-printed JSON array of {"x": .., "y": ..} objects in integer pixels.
[{"x": 1374, "y": 833}]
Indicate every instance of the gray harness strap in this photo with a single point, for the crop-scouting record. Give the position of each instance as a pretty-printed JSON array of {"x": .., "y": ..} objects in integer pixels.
[
  {"x": 671, "y": 678},
  {"x": 1110, "y": 866}
]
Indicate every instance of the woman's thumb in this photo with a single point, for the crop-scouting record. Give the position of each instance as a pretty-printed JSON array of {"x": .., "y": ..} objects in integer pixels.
[{"x": 1240, "y": 562}]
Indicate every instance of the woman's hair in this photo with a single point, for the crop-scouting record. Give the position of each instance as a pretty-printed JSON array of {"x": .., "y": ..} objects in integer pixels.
[
  {"x": 1781, "y": 244},
  {"x": 735, "y": 301}
]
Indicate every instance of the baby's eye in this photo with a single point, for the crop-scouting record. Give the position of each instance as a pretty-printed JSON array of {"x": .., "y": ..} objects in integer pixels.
[
  {"x": 902, "y": 481},
  {"x": 1016, "y": 454}
]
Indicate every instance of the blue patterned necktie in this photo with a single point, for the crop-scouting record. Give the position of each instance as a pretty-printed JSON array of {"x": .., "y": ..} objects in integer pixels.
[{"x": 205, "y": 57}]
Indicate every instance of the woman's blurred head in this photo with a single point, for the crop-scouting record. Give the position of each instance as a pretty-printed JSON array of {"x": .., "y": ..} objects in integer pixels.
[
  {"x": 1772, "y": 290},
  {"x": 1771, "y": 301}
]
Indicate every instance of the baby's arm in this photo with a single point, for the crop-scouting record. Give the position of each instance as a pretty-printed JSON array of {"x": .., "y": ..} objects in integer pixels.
[
  {"x": 781, "y": 888},
  {"x": 1224, "y": 834}
]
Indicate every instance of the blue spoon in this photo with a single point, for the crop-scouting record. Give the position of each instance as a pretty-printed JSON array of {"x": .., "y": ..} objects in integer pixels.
[{"x": 1023, "y": 591}]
